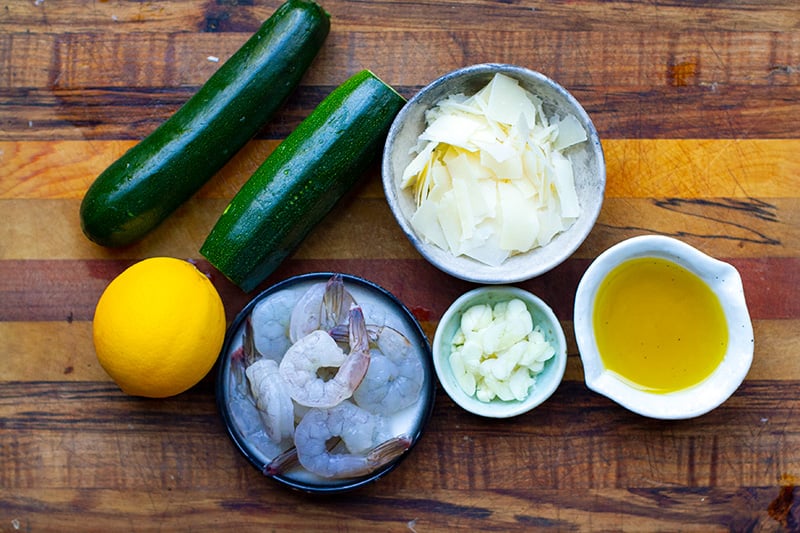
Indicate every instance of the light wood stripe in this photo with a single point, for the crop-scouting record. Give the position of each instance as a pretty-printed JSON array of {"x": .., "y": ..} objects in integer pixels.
[
  {"x": 53, "y": 351},
  {"x": 66, "y": 169},
  {"x": 636, "y": 168},
  {"x": 688, "y": 168}
]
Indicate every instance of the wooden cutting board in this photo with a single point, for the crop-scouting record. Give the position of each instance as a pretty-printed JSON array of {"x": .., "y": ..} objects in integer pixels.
[{"x": 696, "y": 105}]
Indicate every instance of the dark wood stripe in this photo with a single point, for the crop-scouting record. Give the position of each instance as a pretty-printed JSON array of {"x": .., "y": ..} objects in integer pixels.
[
  {"x": 760, "y": 111},
  {"x": 245, "y": 16},
  {"x": 708, "y": 59},
  {"x": 54, "y": 290},
  {"x": 532, "y": 508},
  {"x": 575, "y": 425},
  {"x": 195, "y": 409}
]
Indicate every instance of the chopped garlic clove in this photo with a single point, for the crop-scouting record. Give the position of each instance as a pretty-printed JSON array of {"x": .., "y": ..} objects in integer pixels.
[
  {"x": 475, "y": 319},
  {"x": 465, "y": 380},
  {"x": 520, "y": 383},
  {"x": 500, "y": 349}
]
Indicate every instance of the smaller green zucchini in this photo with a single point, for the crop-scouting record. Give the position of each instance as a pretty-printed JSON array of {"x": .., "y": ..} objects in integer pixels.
[{"x": 302, "y": 179}]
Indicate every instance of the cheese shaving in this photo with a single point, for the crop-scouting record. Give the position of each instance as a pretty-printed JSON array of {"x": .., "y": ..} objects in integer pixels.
[{"x": 489, "y": 174}]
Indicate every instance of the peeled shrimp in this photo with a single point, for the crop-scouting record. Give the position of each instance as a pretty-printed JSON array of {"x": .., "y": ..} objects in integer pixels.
[
  {"x": 317, "y": 350},
  {"x": 395, "y": 375},
  {"x": 270, "y": 320},
  {"x": 272, "y": 399},
  {"x": 322, "y": 306},
  {"x": 366, "y": 446}
]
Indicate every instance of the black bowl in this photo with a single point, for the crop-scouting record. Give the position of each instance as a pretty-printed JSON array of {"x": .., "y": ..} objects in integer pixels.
[{"x": 236, "y": 410}]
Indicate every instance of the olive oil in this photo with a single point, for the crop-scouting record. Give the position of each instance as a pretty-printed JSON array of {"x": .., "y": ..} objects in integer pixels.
[{"x": 658, "y": 326}]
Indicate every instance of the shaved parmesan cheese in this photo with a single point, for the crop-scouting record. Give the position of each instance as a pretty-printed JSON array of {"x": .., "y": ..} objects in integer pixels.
[
  {"x": 497, "y": 351},
  {"x": 570, "y": 132},
  {"x": 489, "y": 176},
  {"x": 518, "y": 223},
  {"x": 508, "y": 103},
  {"x": 454, "y": 129}
]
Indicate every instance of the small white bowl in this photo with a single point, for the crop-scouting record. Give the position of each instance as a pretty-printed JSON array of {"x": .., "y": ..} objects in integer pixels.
[
  {"x": 547, "y": 381},
  {"x": 587, "y": 160},
  {"x": 723, "y": 279}
]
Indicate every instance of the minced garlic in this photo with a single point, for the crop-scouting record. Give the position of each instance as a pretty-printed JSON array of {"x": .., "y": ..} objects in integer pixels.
[{"x": 498, "y": 351}]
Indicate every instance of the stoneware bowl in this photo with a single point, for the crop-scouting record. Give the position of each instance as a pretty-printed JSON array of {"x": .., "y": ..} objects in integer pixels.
[
  {"x": 547, "y": 381},
  {"x": 587, "y": 160},
  {"x": 236, "y": 405},
  {"x": 723, "y": 279}
]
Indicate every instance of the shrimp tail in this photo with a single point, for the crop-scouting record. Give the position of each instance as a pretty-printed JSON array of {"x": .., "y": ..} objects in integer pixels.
[
  {"x": 243, "y": 357},
  {"x": 388, "y": 451},
  {"x": 339, "y": 332},
  {"x": 336, "y": 301},
  {"x": 282, "y": 463},
  {"x": 287, "y": 460},
  {"x": 359, "y": 335},
  {"x": 374, "y": 333},
  {"x": 238, "y": 364},
  {"x": 249, "y": 351},
  {"x": 352, "y": 372}
]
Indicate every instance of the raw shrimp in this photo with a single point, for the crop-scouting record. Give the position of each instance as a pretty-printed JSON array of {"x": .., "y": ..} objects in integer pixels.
[
  {"x": 318, "y": 350},
  {"x": 322, "y": 306},
  {"x": 366, "y": 446},
  {"x": 272, "y": 399},
  {"x": 270, "y": 324},
  {"x": 395, "y": 374}
]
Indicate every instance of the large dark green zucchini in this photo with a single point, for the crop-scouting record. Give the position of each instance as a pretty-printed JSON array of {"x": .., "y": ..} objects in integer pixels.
[
  {"x": 302, "y": 179},
  {"x": 139, "y": 190}
]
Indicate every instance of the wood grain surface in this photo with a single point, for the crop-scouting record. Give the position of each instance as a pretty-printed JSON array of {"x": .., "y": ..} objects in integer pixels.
[{"x": 697, "y": 106}]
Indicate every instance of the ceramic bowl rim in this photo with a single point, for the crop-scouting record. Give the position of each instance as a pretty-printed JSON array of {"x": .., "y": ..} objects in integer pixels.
[
  {"x": 239, "y": 440},
  {"x": 497, "y": 408},
  {"x": 724, "y": 280},
  {"x": 522, "y": 266}
]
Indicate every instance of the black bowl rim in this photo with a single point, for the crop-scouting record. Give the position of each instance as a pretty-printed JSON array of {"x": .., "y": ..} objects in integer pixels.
[{"x": 429, "y": 394}]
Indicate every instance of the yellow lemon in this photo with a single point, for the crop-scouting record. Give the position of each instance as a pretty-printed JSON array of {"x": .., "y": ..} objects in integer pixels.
[{"x": 158, "y": 327}]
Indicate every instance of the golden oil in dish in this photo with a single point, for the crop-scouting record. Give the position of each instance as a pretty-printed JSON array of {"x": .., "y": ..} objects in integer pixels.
[{"x": 658, "y": 326}]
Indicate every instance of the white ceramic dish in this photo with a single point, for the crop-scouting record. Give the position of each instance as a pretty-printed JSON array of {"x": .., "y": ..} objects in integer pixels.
[
  {"x": 725, "y": 282},
  {"x": 546, "y": 382},
  {"x": 587, "y": 159}
]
